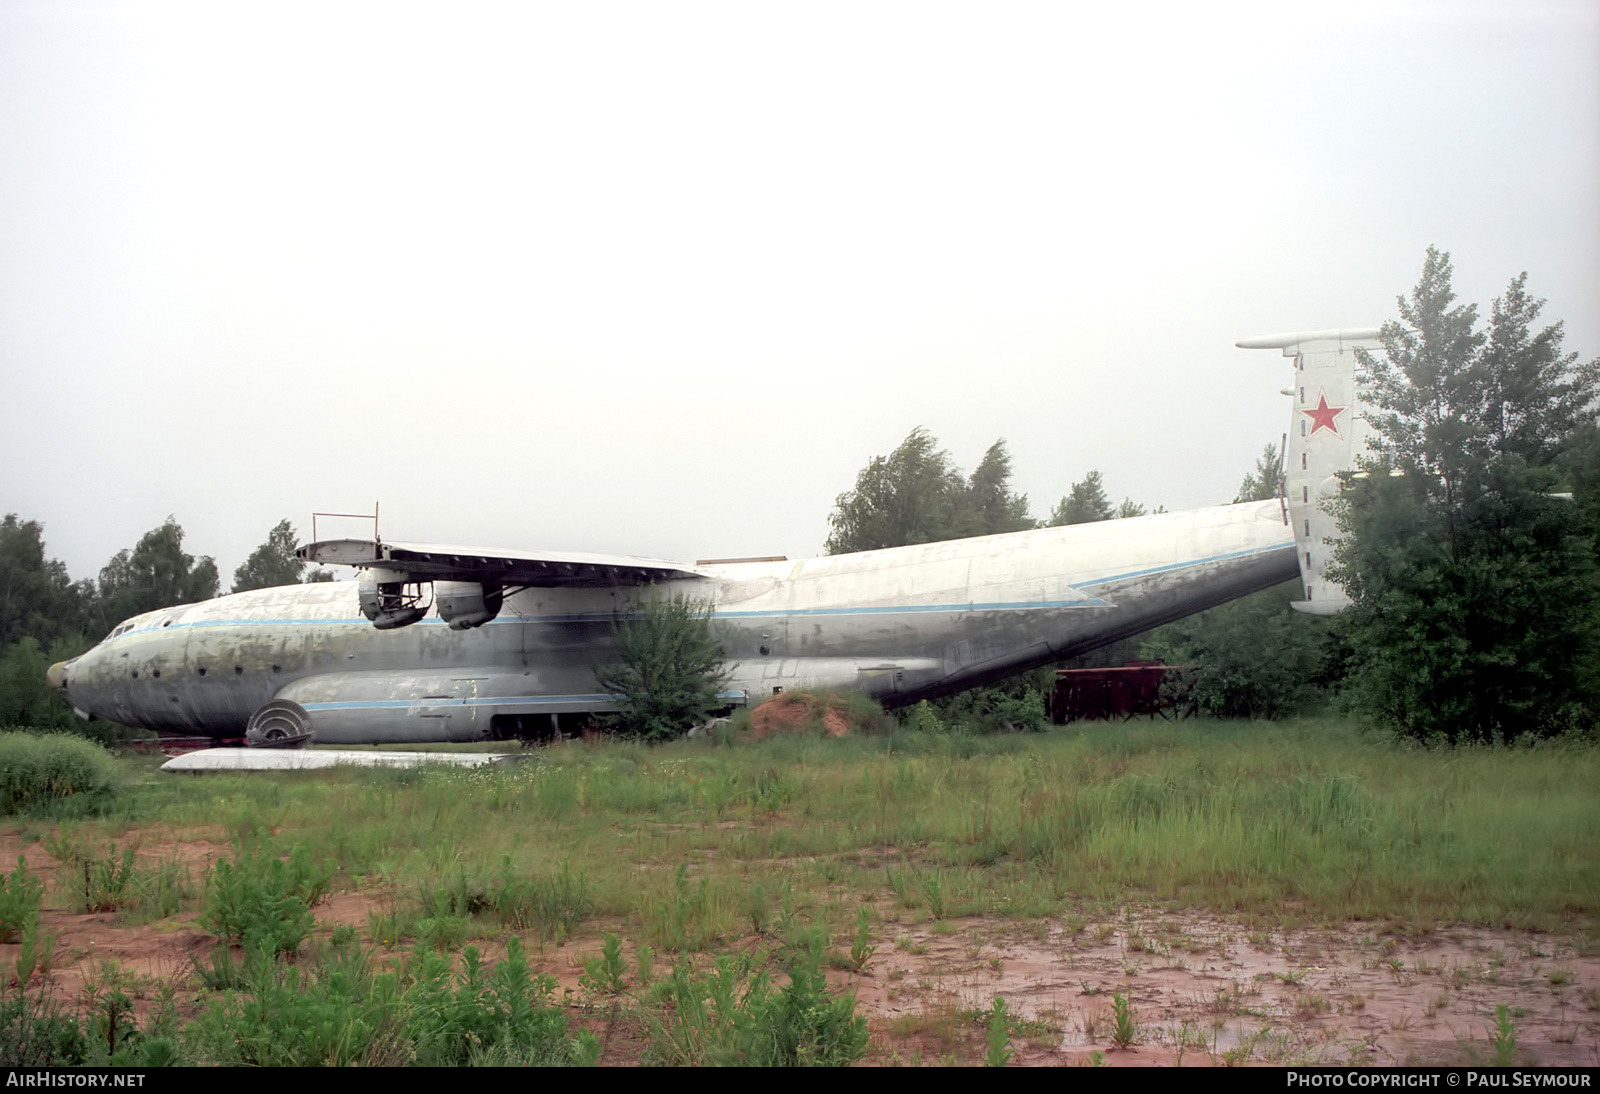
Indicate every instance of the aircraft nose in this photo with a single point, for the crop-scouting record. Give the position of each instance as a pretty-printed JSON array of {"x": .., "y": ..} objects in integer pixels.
[{"x": 56, "y": 676}]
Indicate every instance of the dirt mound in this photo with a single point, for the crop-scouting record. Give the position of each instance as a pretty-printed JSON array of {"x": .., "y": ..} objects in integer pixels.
[{"x": 801, "y": 712}]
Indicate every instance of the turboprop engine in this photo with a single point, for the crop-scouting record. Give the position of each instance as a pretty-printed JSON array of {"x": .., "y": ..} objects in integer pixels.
[
  {"x": 464, "y": 604},
  {"x": 389, "y": 600}
]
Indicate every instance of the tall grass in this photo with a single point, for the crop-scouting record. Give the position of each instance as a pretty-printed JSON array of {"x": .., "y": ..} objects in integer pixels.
[
  {"x": 789, "y": 853},
  {"x": 1308, "y": 816}
]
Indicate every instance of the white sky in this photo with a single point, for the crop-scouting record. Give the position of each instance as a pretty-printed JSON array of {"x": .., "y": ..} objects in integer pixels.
[{"x": 660, "y": 279}]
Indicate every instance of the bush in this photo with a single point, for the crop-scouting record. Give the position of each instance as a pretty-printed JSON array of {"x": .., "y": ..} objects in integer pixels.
[
  {"x": 669, "y": 671},
  {"x": 1253, "y": 658},
  {"x": 264, "y": 902},
  {"x": 1014, "y": 704},
  {"x": 38, "y": 768},
  {"x": 801, "y": 1025},
  {"x": 1477, "y": 624}
]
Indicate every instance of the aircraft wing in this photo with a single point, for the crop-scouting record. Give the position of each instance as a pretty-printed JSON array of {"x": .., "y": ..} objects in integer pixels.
[{"x": 492, "y": 565}]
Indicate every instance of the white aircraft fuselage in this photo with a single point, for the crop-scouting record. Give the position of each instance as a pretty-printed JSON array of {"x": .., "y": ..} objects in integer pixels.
[
  {"x": 902, "y": 624},
  {"x": 458, "y": 643}
]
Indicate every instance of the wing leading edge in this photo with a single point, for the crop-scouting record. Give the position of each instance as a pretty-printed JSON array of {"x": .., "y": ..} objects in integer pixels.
[
  {"x": 492, "y": 565},
  {"x": 397, "y": 579}
]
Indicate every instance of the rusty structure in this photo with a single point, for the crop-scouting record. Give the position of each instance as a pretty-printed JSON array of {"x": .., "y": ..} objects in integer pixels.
[{"x": 1111, "y": 694}]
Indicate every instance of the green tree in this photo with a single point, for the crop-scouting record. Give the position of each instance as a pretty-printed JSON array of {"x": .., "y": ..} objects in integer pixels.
[
  {"x": 37, "y": 598},
  {"x": 917, "y": 495},
  {"x": 39, "y": 624},
  {"x": 157, "y": 573},
  {"x": 669, "y": 669},
  {"x": 1580, "y": 468},
  {"x": 1474, "y": 590},
  {"x": 273, "y": 563},
  {"x": 988, "y": 506},
  {"x": 1472, "y": 622},
  {"x": 1426, "y": 389},
  {"x": 1263, "y": 483},
  {"x": 905, "y": 497},
  {"x": 1084, "y": 503},
  {"x": 1013, "y": 703},
  {"x": 1252, "y": 658},
  {"x": 25, "y": 698},
  {"x": 1536, "y": 399}
]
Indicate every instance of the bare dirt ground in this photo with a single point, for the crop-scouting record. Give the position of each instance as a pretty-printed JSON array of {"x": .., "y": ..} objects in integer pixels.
[
  {"x": 1203, "y": 991},
  {"x": 1199, "y": 990}
]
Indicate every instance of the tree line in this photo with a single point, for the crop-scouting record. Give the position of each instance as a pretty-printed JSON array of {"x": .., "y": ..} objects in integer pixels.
[
  {"x": 1469, "y": 540},
  {"x": 45, "y": 616},
  {"x": 916, "y": 494},
  {"x": 1469, "y": 549}
]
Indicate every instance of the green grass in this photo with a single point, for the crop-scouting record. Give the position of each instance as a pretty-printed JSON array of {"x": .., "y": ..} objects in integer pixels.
[
  {"x": 1245, "y": 818},
  {"x": 696, "y": 848}
]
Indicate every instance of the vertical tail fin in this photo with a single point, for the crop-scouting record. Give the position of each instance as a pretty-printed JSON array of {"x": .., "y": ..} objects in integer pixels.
[{"x": 1326, "y": 436}]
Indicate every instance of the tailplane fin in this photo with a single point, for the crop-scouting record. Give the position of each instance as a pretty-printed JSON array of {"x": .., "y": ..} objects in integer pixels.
[{"x": 1326, "y": 436}]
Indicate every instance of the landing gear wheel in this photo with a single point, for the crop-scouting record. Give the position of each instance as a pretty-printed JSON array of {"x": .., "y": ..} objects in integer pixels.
[{"x": 279, "y": 724}]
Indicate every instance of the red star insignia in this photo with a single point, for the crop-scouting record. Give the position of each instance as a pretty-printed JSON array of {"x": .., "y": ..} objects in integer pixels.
[{"x": 1323, "y": 415}]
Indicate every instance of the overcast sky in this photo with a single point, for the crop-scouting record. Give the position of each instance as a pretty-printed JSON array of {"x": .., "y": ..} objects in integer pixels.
[{"x": 661, "y": 278}]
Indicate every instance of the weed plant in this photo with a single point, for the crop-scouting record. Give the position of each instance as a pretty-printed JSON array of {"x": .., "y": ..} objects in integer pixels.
[
  {"x": 999, "y": 1034},
  {"x": 554, "y": 903},
  {"x": 607, "y": 974},
  {"x": 732, "y": 1014},
  {"x": 685, "y": 916},
  {"x": 1503, "y": 1037},
  {"x": 338, "y": 1011},
  {"x": 20, "y": 894},
  {"x": 261, "y": 901},
  {"x": 36, "y": 1030},
  {"x": 861, "y": 949},
  {"x": 108, "y": 882},
  {"x": 1124, "y": 1031}
]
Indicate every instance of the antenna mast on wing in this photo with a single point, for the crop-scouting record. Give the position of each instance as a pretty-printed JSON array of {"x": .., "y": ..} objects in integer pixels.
[{"x": 373, "y": 517}]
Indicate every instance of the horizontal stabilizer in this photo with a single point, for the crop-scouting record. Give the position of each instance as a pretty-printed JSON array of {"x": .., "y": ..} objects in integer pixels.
[{"x": 1292, "y": 343}]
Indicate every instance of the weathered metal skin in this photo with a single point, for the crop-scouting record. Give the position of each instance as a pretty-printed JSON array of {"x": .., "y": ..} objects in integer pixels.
[{"x": 903, "y": 624}]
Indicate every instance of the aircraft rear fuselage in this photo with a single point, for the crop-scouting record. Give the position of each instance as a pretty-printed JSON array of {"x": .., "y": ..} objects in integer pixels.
[{"x": 902, "y": 624}]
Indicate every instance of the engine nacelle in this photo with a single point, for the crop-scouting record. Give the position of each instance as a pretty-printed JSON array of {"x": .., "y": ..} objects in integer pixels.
[
  {"x": 389, "y": 599},
  {"x": 464, "y": 604}
]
